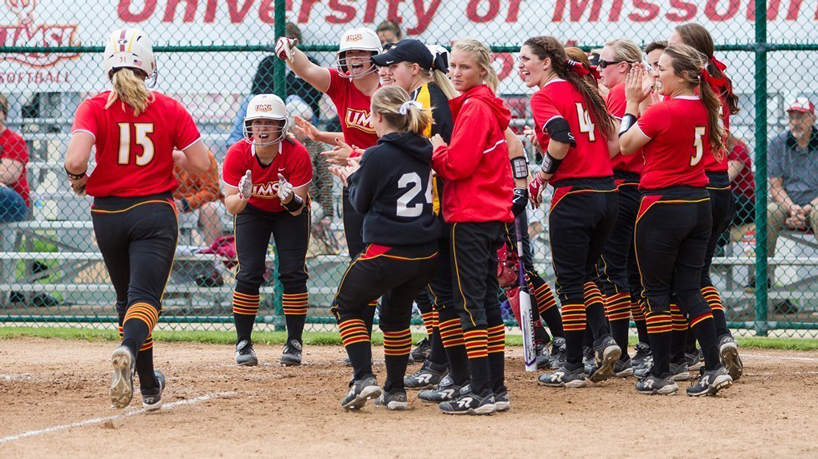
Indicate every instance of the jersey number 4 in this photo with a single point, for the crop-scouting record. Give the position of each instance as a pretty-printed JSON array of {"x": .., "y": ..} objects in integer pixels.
[
  {"x": 415, "y": 210},
  {"x": 699, "y": 146},
  {"x": 141, "y": 131}
]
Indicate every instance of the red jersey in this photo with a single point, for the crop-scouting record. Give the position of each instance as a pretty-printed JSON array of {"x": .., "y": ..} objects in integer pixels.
[
  {"x": 679, "y": 141},
  {"x": 744, "y": 183},
  {"x": 590, "y": 158},
  {"x": 134, "y": 153},
  {"x": 616, "y": 106},
  {"x": 710, "y": 163},
  {"x": 292, "y": 161},
  {"x": 13, "y": 146},
  {"x": 353, "y": 111}
]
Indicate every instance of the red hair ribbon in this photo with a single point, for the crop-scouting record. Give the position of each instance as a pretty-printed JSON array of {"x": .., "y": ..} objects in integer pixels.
[
  {"x": 719, "y": 64},
  {"x": 715, "y": 83},
  {"x": 595, "y": 73},
  {"x": 577, "y": 67}
]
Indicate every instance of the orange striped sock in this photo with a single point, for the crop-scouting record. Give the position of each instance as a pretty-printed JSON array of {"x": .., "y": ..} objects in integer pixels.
[
  {"x": 679, "y": 320},
  {"x": 476, "y": 343},
  {"x": 545, "y": 298},
  {"x": 618, "y": 307},
  {"x": 429, "y": 322},
  {"x": 573, "y": 317},
  {"x": 244, "y": 304},
  {"x": 659, "y": 322},
  {"x": 353, "y": 331},
  {"x": 496, "y": 339},
  {"x": 144, "y": 312},
  {"x": 451, "y": 334},
  {"x": 697, "y": 320},
  {"x": 397, "y": 343},
  {"x": 295, "y": 304},
  {"x": 711, "y": 294}
]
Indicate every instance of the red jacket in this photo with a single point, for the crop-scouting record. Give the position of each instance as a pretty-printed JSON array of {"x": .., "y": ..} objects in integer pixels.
[{"x": 475, "y": 166}]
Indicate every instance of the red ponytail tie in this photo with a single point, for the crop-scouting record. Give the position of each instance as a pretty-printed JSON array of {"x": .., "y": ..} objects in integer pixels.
[
  {"x": 715, "y": 83},
  {"x": 595, "y": 73},
  {"x": 720, "y": 65},
  {"x": 577, "y": 67}
]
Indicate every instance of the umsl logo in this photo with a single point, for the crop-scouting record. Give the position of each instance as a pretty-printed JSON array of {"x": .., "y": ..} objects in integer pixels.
[
  {"x": 26, "y": 33},
  {"x": 354, "y": 37},
  {"x": 264, "y": 108},
  {"x": 267, "y": 190},
  {"x": 359, "y": 119}
]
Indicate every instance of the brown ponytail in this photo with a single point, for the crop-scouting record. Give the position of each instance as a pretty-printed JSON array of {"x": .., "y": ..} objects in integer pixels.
[
  {"x": 699, "y": 38},
  {"x": 549, "y": 47}
]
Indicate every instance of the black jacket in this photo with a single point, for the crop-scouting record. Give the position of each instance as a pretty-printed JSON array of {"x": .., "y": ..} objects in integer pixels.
[{"x": 393, "y": 189}]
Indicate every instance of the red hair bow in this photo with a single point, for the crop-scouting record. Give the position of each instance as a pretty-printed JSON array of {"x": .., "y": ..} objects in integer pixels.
[
  {"x": 577, "y": 67},
  {"x": 715, "y": 83}
]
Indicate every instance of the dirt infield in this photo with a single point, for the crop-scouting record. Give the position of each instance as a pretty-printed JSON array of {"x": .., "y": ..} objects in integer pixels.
[{"x": 53, "y": 402}]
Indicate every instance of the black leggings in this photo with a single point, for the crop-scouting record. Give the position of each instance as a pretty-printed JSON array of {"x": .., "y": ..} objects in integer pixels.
[
  {"x": 137, "y": 238},
  {"x": 582, "y": 215}
]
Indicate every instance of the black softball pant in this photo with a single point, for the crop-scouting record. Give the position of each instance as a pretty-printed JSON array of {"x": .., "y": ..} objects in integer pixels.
[
  {"x": 617, "y": 273},
  {"x": 353, "y": 227},
  {"x": 253, "y": 229},
  {"x": 722, "y": 206},
  {"x": 137, "y": 238},
  {"x": 671, "y": 235},
  {"x": 397, "y": 274},
  {"x": 582, "y": 215}
]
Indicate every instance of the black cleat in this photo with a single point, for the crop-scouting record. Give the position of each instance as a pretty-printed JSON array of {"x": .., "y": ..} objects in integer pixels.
[
  {"x": 469, "y": 403},
  {"x": 393, "y": 401},
  {"x": 124, "y": 364},
  {"x": 291, "y": 355},
  {"x": 710, "y": 382},
  {"x": 152, "y": 400},
  {"x": 427, "y": 377},
  {"x": 728, "y": 352},
  {"x": 422, "y": 350},
  {"x": 359, "y": 392},
  {"x": 543, "y": 357},
  {"x": 651, "y": 385},
  {"x": 563, "y": 377},
  {"x": 606, "y": 354},
  {"x": 501, "y": 401},
  {"x": 445, "y": 391},
  {"x": 642, "y": 355},
  {"x": 245, "y": 355}
]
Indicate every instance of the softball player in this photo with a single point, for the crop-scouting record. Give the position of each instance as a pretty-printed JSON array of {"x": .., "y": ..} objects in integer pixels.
[
  {"x": 350, "y": 86},
  {"x": 392, "y": 188},
  {"x": 674, "y": 219},
  {"x": 616, "y": 270},
  {"x": 412, "y": 66},
  {"x": 722, "y": 202},
  {"x": 133, "y": 212},
  {"x": 575, "y": 128},
  {"x": 267, "y": 177},
  {"x": 476, "y": 203}
]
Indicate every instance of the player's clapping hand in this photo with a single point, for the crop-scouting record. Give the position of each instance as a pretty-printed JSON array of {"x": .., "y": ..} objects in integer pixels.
[
  {"x": 285, "y": 47},
  {"x": 304, "y": 128},
  {"x": 285, "y": 190},
  {"x": 246, "y": 186},
  {"x": 339, "y": 155}
]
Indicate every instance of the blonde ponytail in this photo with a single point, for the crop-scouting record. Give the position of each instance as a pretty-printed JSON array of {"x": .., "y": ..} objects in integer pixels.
[
  {"x": 129, "y": 87},
  {"x": 387, "y": 102},
  {"x": 444, "y": 83}
]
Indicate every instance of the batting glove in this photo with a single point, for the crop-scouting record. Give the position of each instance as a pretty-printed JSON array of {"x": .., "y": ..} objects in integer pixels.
[
  {"x": 535, "y": 189},
  {"x": 519, "y": 201},
  {"x": 285, "y": 189},
  {"x": 285, "y": 47},
  {"x": 246, "y": 186}
]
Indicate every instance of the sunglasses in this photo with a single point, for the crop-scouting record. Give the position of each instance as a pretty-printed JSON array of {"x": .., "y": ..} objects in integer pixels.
[{"x": 603, "y": 63}]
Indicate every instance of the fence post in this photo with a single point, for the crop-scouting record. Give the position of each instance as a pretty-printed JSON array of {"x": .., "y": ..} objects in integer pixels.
[
  {"x": 761, "y": 322},
  {"x": 280, "y": 82}
]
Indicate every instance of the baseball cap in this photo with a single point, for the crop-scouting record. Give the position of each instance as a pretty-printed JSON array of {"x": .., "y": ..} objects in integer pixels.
[
  {"x": 406, "y": 50},
  {"x": 801, "y": 104}
]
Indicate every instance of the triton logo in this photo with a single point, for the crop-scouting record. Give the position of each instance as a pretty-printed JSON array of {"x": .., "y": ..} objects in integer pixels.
[{"x": 27, "y": 33}]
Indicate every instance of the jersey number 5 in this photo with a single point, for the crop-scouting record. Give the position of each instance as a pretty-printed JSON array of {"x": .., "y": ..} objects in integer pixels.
[
  {"x": 141, "y": 130},
  {"x": 585, "y": 124},
  {"x": 414, "y": 210},
  {"x": 699, "y": 146}
]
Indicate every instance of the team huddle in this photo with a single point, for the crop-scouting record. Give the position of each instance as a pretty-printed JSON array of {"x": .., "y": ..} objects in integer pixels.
[{"x": 436, "y": 187}]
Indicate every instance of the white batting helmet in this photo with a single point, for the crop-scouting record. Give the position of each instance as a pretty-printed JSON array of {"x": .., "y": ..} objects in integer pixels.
[
  {"x": 361, "y": 39},
  {"x": 130, "y": 48},
  {"x": 269, "y": 107}
]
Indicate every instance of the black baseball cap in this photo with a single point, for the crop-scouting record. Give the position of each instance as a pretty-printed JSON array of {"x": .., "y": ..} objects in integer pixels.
[{"x": 406, "y": 50}]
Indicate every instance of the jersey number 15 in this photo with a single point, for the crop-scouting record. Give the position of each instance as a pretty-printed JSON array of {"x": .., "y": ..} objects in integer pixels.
[{"x": 141, "y": 130}]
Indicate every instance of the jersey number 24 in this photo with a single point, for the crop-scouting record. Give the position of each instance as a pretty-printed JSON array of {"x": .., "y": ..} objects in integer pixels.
[
  {"x": 404, "y": 209},
  {"x": 141, "y": 131}
]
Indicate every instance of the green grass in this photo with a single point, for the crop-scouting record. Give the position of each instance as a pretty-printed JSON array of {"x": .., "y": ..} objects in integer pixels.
[{"x": 316, "y": 338}]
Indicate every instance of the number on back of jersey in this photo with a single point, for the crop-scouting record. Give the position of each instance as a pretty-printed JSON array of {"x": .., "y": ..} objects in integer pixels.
[{"x": 413, "y": 182}]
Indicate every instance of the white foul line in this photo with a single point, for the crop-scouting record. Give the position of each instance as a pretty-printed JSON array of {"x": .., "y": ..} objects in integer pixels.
[
  {"x": 779, "y": 357},
  {"x": 87, "y": 422}
]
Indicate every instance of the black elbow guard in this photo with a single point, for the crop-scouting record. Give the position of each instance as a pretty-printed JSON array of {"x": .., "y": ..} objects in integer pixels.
[
  {"x": 559, "y": 130},
  {"x": 519, "y": 167},
  {"x": 627, "y": 122},
  {"x": 295, "y": 203}
]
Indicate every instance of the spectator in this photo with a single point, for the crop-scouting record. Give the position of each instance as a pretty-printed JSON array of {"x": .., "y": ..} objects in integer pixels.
[
  {"x": 200, "y": 201},
  {"x": 14, "y": 191},
  {"x": 389, "y": 32},
  {"x": 263, "y": 83},
  {"x": 793, "y": 172}
]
